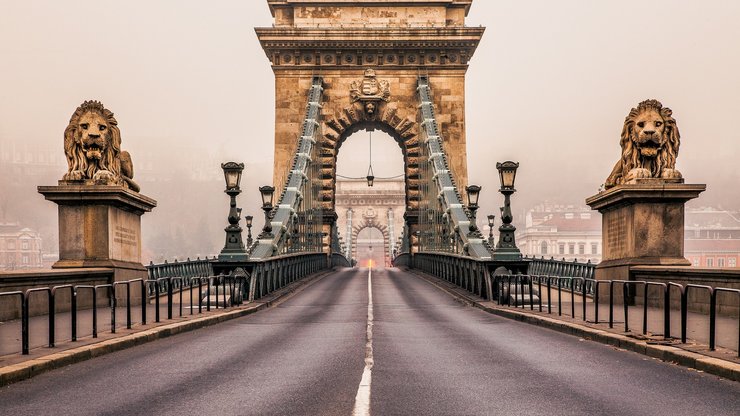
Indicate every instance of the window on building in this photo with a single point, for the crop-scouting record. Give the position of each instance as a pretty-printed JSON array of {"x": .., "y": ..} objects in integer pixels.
[
  {"x": 561, "y": 248},
  {"x": 25, "y": 245},
  {"x": 572, "y": 248},
  {"x": 11, "y": 244},
  {"x": 695, "y": 262},
  {"x": 594, "y": 248},
  {"x": 721, "y": 262},
  {"x": 710, "y": 262},
  {"x": 582, "y": 248},
  {"x": 732, "y": 262},
  {"x": 25, "y": 259},
  {"x": 543, "y": 247}
]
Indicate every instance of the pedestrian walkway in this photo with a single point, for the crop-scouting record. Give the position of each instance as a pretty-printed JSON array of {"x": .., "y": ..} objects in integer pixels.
[
  {"x": 570, "y": 310},
  {"x": 697, "y": 323}
]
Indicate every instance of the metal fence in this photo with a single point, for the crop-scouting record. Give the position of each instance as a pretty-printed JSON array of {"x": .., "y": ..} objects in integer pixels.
[
  {"x": 518, "y": 291},
  {"x": 570, "y": 294},
  {"x": 130, "y": 292},
  {"x": 273, "y": 273},
  {"x": 562, "y": 268},
  {"x": 469, "y": 273},
  {"x": 184, "y": 271}
]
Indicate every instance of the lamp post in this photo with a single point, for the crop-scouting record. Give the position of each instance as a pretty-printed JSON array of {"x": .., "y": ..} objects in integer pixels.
[
  {"x": 473, "y": 192},
  {"x": 506, "y": 248},
  {"x": 491, "y": 219},
  {"x": 234, "y": 248},
  {"x": 267, "y": 193},
  {"x": 248, "y": 219}
]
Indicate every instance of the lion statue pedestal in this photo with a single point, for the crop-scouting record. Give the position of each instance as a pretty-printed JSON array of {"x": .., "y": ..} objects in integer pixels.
[
  {"x": 642, "y": 224},
  {"x": 100, "y": 226},
  {"x": 100, "y": 206},
  {"x": 643, "y": 205}
]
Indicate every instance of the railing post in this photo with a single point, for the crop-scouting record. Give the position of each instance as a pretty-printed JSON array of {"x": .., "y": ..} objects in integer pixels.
[
  {"x": 74, "y": 313},
  {"x": 169, "y": 297},
  {"x": 684, "y": 313},
  {"x": 611, "y": 304},
  {"x": 128, "y": 305},
  {"x": 24, "y": 324},
  {"x": 713, "y": 319},
  {"x": 52, "y": 318},
  {"x": 113, "y": 303},
  {"x": 95, "y": 312},
  {"x": 625, "y": 292},
  {"x": 645, "y": 310},
  {"x": 667, "y": 312}
]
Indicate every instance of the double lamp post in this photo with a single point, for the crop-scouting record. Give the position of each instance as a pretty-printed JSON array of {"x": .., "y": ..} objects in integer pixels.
[
  {"x": 506, "y": 249},
  {"x": 234, "y": 249}
]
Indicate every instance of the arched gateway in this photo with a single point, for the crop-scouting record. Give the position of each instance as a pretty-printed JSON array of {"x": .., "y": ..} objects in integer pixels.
[{"x": 362, "y": 61}]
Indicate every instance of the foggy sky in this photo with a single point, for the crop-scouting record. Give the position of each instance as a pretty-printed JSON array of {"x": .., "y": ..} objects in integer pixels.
[{"x": 549, "y": 86}]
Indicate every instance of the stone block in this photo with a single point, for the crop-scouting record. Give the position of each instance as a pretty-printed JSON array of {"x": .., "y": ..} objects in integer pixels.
[
  {"x": 100, "y": 226},
  {"x": 642, "y": 224}
]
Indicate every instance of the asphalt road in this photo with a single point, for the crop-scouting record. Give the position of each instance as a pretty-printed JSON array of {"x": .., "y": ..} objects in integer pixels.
[{"x": 430, "y": 355}]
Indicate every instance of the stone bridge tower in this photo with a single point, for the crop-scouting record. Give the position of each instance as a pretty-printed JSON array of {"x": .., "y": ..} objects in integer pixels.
[{"x": 370, "y": 54}]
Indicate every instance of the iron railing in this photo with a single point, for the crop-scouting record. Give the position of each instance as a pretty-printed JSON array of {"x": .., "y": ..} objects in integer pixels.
[
  {"x": 273, "y": 273},
  {"x": 469, "y": 273},
  {"x": 183, "y": 270},
  {"x": 563, "y": 268},
  {"x": 571, "y": 289},
  {"x": 570, "y": 295},
  {"x": 134, "y": 291}
]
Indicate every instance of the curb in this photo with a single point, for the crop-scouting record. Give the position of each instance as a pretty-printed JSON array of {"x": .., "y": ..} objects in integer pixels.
[
  {"x": 31, "y": 368},
  {"x": 715, "y": 366}
]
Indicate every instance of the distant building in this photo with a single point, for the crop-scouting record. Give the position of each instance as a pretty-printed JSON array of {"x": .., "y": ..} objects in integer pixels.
[
  {"x": 712, "y": 238},
  {"x": 20, "y": 248},
  {"x": 19, "y": 160},
  {"x": 558, "y": 231},
  {"x": 370, "y": 220}
]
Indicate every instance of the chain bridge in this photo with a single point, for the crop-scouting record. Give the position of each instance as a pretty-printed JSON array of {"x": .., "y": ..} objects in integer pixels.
[{"x": 288, "y": 324}]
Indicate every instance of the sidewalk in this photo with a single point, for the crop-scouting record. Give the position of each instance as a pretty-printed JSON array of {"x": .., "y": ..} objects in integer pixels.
[
  {"x": 16, "y": 367},
  {"x": 697, "y": 329},
  {"x": 723, "y": 362}
]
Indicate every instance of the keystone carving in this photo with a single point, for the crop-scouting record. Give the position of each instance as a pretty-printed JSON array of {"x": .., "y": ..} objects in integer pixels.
[
  {"x": 650, "y": 142},
  {"x": 370, "y": 92},
  {"x": 92, "y": 145}
]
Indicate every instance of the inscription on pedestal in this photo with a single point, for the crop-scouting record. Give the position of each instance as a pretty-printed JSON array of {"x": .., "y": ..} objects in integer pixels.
[
  {"x": 616, "y": 232},
  {"x": 125, "y": 236}
]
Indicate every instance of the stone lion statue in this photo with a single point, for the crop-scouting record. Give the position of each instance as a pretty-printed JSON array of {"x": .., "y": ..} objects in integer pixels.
[
  {"x": 92, "y": 144},
  {"x": 650, "y": 142}
]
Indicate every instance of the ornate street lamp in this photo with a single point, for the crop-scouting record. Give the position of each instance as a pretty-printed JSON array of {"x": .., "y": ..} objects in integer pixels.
[
  {"x": 248, "y": 219},
  {"x": 491, "y": 219},
  {"x": 370, "y": 175},
  {"x": 473, "y": 192},
  {"x": 267, "y": 193},
  {"x": 234, "y": 248},
  {"x": 506, "y": 248}
]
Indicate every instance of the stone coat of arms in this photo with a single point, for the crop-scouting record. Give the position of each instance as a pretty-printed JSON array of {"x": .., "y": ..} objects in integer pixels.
[{"x": 370, "y": 92}]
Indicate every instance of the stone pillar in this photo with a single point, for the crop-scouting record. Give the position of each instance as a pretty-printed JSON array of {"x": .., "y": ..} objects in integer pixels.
[
  {"x": 100, "y": 226},
  {"x": 642, "y": 224}
]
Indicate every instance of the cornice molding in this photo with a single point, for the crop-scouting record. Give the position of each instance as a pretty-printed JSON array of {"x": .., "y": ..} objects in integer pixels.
[{"x": 412, "y": 47}]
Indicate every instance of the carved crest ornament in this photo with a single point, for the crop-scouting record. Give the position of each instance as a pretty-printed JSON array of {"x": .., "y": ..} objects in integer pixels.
[{"x": 370, "y": 92}]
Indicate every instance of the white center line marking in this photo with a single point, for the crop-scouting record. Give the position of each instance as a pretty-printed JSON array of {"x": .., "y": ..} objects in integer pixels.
[{"x": 362, "y": 399}]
